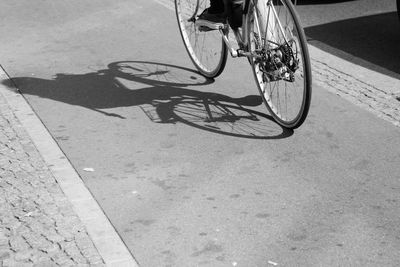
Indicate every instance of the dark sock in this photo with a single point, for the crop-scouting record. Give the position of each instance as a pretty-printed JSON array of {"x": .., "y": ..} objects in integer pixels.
[{"x": 216, "y": 7}]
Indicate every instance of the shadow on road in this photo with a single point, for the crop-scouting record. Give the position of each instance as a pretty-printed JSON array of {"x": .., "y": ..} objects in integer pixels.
[
  {"x": 160, "y": 90},
  {"x": 372, "y": 42}
]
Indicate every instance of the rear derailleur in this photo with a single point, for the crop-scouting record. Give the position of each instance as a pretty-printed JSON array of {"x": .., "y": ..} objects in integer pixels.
[{"x": 279, "y": 63}]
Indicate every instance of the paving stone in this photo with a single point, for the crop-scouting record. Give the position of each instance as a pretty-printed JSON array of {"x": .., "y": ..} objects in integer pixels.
[
  {"x": 12, "y": 263},
  {"x": 18, "y": 243},
  {"x": 382, "y": 104},
  {"x": 36, "y": 219},
  {"x": 4, "y": 255},
  {"x": 45, "y": 263},
  {"x": 63, "y": 260},
  {"x": 24, "y": 255}
]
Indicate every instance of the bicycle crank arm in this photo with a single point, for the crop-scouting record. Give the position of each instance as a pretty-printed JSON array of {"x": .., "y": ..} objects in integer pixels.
[
  {"x": 242, "y": 53},
  {"x": 234, "y": 53}
]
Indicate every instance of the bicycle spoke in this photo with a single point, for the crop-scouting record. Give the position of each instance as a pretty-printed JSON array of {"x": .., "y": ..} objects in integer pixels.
[
  {"x": 205, "y": 48},
  {"x": 280, "y": 72}
]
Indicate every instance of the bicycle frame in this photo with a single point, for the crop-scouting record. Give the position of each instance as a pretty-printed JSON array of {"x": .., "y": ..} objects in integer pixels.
[
  {"x": 272, "y": 40},
  {"x": 243, "y": 37}
]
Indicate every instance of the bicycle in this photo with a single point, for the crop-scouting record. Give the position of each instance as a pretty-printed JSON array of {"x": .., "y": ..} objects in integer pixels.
[{"x": 273, "y": 41}]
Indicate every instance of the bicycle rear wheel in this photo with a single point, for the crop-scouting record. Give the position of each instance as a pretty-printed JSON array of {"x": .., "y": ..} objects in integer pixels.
[
  {"x": 205, "y": 48},
  {"x": 282, "y": 66}
]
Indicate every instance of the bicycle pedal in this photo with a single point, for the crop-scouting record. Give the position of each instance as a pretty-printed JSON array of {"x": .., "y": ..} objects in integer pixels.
[
  {"x": 208, "y": 26},
  {"x": 205, "y": 29}
]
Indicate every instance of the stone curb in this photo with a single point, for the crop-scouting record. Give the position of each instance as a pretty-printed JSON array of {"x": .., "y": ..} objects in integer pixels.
[
  {"x": 371, "y": 90},
  {"x": 108, "y": 243}
]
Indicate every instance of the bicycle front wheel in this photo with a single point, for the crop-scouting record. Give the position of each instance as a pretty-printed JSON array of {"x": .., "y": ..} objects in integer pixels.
[
  {"x": 281, "y": 64},
  {"x": 205, "y": 48}
]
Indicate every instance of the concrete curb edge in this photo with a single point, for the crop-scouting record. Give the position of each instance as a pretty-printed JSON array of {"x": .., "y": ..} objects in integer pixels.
[{"x": 105, "y": 238}]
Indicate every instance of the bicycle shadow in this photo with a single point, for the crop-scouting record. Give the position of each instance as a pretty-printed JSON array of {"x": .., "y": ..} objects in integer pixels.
[
  {"x": 164, "y": 94},
  {"x": 372, "y": 41}
]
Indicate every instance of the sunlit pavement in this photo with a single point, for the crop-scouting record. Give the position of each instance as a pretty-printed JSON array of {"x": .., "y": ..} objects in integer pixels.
[{"x": 181, "y": 192}]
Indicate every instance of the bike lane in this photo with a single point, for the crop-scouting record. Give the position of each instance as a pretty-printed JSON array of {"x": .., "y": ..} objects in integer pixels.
[{"x": 113, "y": 87}]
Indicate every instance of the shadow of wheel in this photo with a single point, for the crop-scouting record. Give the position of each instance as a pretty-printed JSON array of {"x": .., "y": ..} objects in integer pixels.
[
  {"x": 228, "y": 119},
  {"x": 166, "y": 95}
]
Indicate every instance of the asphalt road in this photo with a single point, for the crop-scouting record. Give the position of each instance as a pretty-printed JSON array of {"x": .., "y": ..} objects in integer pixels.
[{"x": 182, "y": 192}]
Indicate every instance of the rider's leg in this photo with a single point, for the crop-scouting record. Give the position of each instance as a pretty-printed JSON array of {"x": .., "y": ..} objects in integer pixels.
[
  {"x": 214, "y": 16},
  {"x": 235, "y": 12},
  {"x": 216, "y": 6},
  {"x": 219, "y": 11}
]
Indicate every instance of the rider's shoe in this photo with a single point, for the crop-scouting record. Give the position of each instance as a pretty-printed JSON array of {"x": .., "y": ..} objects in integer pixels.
[{"x": 211, "y": 21}]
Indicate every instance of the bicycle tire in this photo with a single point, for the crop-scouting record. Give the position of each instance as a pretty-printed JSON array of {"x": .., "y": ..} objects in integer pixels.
[
  {"x": 277, "y": 89},
  {"x": 206, "y": 49}
]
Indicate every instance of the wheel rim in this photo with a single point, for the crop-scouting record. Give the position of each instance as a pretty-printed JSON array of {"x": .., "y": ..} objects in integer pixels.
[
  {"x": 206, "y": 49},
  {"x": 285, "y": 98}
]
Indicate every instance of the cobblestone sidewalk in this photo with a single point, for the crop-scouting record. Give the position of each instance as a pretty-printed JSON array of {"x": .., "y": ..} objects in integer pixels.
[{"x": 38, "y": 226}]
